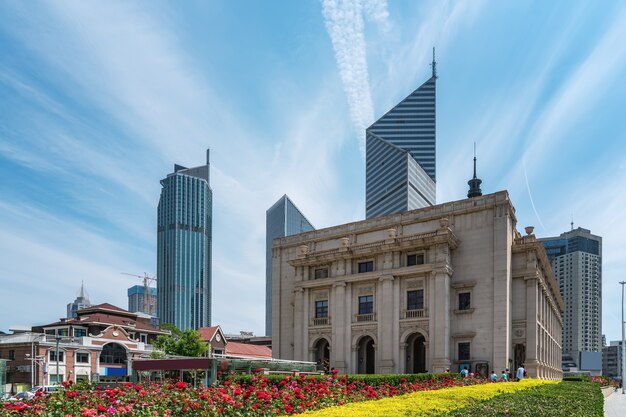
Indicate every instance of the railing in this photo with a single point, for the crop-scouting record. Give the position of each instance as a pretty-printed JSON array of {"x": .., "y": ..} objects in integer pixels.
[
  {"x": 321, "y": 321},
  {"x": 365, "y": 317},
  {"x": 414, "y": 314},
  {"x": 65, "y": 339}
]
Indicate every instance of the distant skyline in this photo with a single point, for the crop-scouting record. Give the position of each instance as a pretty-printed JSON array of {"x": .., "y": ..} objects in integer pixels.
[{"x": 100, "y": 99}]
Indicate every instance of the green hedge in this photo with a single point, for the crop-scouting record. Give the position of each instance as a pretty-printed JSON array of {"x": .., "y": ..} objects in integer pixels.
[
  {"x": 553, "y": 400},
  {"x": 577, "y": 379},
  {"x": 374, "y": 380}
]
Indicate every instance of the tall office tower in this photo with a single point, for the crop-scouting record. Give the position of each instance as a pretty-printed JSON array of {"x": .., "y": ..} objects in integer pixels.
[
  {"x": 141, "y": 300},
  {"x": 576, "y": 258},
  {"x": 282, "y": 219},
  {"x": 81, "y": 301},
  {"x": 400, "y": 154},
  {"x": 184, "y": 248}
]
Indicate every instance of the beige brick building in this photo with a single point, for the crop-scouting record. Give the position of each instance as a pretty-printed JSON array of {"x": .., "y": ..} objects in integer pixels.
[{"x": 448, "y": 286}]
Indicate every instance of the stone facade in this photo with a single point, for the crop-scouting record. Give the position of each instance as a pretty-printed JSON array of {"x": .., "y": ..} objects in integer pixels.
[{"x": 444, "y": 287}]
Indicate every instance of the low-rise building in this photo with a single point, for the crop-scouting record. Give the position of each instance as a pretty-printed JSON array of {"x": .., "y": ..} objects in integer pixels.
[
  {"x": 99, "y": 344},
  {"x": 445, "y": 287}
]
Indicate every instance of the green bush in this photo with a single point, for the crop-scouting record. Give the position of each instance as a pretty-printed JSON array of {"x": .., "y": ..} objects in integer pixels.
[
  {"x": 576, "y": 379},
  {"x": 374, "y": 380},
  {"x": 552, "y": 400}
]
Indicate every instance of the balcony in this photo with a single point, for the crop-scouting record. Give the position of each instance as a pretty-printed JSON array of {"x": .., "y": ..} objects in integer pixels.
[
  {"x": 320, "y": 321},
  {"x": 365, "y": 317},
  {"x": 65, "y": 340},
  {"x": 414, "y": 314}
]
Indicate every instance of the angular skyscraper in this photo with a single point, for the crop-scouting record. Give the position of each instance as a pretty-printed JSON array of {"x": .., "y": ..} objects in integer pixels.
[
  {"x": 81, "y": 301},
  {"x": 400, "y": 155},
  {"x": 282, "y": 219},
  {"x": 184, "y": 248},
  {"x": 576, "y": 258}
]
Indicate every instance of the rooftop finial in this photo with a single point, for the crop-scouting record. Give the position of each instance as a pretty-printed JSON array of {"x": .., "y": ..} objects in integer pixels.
[
  {"x": 474, "y": 183},
  {"x": 434, "y": 64},
  {"x": 572, "y": 222}
]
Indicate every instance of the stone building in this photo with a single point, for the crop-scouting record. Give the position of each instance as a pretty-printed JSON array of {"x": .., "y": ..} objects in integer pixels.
[{"x": 444, "y": 287}]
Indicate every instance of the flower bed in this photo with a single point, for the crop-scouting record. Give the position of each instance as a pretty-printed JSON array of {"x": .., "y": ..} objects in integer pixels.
[
  {"x": 254, "y": 396},
  {"x": 432, "y": 403},
  {"x": 564, "y": 399}
]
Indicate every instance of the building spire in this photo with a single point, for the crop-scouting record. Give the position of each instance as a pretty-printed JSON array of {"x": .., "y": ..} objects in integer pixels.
[
  {"x": 434, "y": 65},
  {"x": 475, "y": 182}
]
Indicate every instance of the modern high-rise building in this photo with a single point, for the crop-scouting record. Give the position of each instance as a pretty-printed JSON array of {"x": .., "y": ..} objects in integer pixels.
[
  {"x": 400, "y": 171},
  {"x": 81, "y": 301},
  {"x": 140, "y": 300},
  {"x": 576, "y": 258},
  {"x": 282, "y": 219},
  {"x": 184, "y": 222}
]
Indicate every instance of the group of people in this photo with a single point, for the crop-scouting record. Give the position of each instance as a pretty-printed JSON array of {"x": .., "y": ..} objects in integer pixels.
[{"x": 505, "y": 376}]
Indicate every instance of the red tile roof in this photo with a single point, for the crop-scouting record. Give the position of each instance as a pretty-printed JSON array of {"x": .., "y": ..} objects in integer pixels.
[
  {"x": 207, "y": 333},
  {"x": 247, "y": 350}
]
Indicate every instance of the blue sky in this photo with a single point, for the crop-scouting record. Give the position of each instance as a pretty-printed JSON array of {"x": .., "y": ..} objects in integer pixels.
[{"x": 99, "y": 99}]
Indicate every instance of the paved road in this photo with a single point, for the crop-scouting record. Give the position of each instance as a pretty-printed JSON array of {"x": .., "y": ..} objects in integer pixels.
[{"x": 615, "y": 405}]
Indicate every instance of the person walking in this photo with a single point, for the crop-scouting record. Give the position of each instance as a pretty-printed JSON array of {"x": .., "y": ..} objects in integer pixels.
[
  {"x": 505, "y": 377},
  {"x": 494, "y": 376},
  {"x": 464, "y": 372},
  {"x": 520, "y": 372}
]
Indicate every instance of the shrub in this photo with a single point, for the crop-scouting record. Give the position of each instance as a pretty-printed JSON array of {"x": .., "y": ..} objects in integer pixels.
[{"x": 550, "y": 400}]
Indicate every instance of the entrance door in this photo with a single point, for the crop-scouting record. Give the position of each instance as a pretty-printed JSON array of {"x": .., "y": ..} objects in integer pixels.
[
  {"x": 416, "y": 354},
  {"x": 367, "y": 356}
]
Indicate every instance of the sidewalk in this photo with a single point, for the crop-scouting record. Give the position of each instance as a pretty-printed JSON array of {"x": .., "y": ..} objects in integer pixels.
[{"x": 615, "y": 405}]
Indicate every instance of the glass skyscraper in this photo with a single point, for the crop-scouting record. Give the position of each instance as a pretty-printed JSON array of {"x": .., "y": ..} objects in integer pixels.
[
  {"x": 400, "y": 155},
  {"x": 576, "y": 258},
  {"x": 184, "y": 219},
  {"x": 282, "y": 219}
]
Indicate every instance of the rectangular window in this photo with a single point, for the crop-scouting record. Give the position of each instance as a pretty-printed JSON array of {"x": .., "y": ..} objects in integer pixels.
[
  {"x": 53, "y": 356},
  {"x": 321, "y": 309},
  {"x": 415, "y": 259},
  {"x": 82, "y": 357},
  {"x": 415, "y": 300},
  {"x": 80, "y": 332},
  {"x": 321, "y": 273},
  {"x": 62, "y": 332},
  {"x": 465, "y": 301},
  {"x": 11, "y": 355},
  {"x": 367, "y": 266},
  {"x": 366, "y": 304},
  {"x": 464, "y": 351}
]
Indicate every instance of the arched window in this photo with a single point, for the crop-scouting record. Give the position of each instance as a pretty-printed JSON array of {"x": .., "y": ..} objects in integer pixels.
[{"x": 113, "y": 353}]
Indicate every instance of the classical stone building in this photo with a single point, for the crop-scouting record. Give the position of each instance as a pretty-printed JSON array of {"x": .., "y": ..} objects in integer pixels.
[{"x": 443, "y": 287}]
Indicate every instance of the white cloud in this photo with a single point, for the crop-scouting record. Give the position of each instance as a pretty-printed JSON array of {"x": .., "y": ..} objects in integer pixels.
[{"x": 345, "y": 26}]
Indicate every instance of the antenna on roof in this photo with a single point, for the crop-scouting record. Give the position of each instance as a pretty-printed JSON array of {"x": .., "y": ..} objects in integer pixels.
[
  {"x": 434, "y": 65},
  {"x": 572, "y": 223}
]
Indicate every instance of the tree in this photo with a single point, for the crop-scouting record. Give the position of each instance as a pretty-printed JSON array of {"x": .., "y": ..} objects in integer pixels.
[{"x": 181, "y": 343}]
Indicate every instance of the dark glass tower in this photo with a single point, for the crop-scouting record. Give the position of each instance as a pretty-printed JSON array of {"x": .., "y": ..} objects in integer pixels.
[
  {"x": 282, "y": 219},
  {"x": 184, "y": 248},
  {"x": 400, "y": 171}
]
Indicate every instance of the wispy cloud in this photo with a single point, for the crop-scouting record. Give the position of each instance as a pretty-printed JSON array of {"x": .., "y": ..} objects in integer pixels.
[{"x": 345, "y": 26}]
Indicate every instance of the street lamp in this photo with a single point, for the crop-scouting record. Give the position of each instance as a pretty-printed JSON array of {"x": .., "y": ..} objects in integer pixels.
[
  {"x": 623, "y": 345},
  {"x": 39, "y": 360}
]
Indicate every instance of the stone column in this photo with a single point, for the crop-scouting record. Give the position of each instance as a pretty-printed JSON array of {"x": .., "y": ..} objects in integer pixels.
[
  {"x": 440, "y": 328},
  {"x": 298, "y": 339},
  {"x": 532, "y": 310},
  {"x": 384, "y": 318},
  {"x": 339, "y": 321}
]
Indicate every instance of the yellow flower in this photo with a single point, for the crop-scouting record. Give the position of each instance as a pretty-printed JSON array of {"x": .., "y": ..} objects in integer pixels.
[{"x": 426, "y": 403}]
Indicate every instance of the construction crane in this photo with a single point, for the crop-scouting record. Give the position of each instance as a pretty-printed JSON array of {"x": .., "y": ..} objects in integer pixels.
[{"x": 148, "y": 302}]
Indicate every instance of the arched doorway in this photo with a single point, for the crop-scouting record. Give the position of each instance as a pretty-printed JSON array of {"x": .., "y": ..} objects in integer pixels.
[
  {"x": 366, "y": 355},
  {"x": 322, "y": 355},
  {"x": 416, "y": 354},
  {"x": 113, "y": 360}
]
